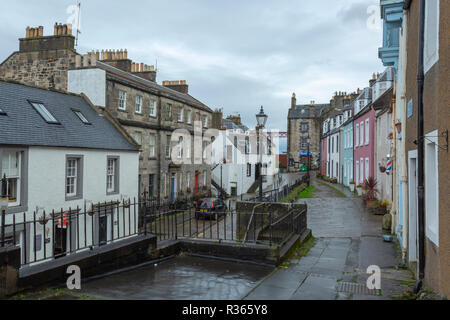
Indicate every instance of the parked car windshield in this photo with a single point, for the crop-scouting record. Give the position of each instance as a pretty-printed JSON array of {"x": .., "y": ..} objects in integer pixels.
[{"x": 207, "y": 203}]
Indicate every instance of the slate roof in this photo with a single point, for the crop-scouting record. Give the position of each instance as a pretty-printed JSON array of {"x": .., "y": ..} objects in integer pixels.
[
  {"x": 24, "y": 126},
  {"x": 134, "y": 80},
  {"x": 296, "y": 112}
]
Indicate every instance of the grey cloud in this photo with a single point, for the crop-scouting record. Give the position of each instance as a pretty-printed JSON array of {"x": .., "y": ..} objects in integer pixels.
[{"x": 235, "y": 55}]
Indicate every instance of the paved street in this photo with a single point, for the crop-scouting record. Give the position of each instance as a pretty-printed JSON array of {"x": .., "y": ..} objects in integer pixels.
[{"x": 347, "y": 241}]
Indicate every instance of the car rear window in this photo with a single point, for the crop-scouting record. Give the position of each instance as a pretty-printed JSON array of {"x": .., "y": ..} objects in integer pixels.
[{"x": 207, "y": 203}]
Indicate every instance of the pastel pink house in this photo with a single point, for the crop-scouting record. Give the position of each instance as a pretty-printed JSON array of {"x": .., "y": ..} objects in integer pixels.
[{"x": 364, "y": 137}]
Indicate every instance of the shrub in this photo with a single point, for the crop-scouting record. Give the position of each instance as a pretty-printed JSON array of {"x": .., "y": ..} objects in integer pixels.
[
  {"x": 352, "y": 182},
  {"x": 370, "y": 186}
]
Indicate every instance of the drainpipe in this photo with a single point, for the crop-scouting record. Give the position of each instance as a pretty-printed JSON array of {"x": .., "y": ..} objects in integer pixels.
[{"x": 420, "y": 149}]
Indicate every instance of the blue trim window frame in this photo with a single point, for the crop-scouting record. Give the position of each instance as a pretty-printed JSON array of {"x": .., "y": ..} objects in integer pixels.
[{"x": 45, "y": 114}]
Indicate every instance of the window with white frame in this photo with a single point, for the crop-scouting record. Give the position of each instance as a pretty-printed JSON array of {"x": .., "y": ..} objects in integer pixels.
[
  {"x": 204, "y": 148},
  {"x": 169, "y": 112},
  {"x": 357, "y": 136},
  {"x": 11, "y": 167},
  {"x": 122, "y": 100},
  {"x": 188, "y": 180},
  {"x": 361, "y": 170},
  {"x": 152, "y": 108},
  {"x": 357, "y": 172},
  {"x": 249, "y": 169},
  {"x": 367, "y": 168},
  {"x": 432, "y": 187},
  {"x": 367, "y": 131},
  {"x": 189, "y": 117},
  {"x": 138, "y": 104},
  {"x": 205, "y": 121},
  {"x": 112, "y": 175},
  {"x": 152, "y": 145},
  {"x": 204, "y": 178},
  {"x": 168, "y": 142},
  {"x": 431, "y": 45},
  {"x": 74, "y": 182},
  {"x": 361, "y": 133},
  {"x": 180, "y": 114},
  {"x": 180, "y": 148}
]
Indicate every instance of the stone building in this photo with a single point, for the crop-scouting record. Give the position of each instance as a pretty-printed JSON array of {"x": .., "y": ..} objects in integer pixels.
[
  {"x": 42, "y": 61},
  {"x": 435, "y": 264},
  {"x": 151, "y": 113},
  {"x": 128, "y": 91},
  {"x": 303, "y": 122}
]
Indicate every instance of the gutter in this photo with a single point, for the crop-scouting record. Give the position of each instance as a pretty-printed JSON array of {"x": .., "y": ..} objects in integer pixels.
[{"x": 420, "y": 147}]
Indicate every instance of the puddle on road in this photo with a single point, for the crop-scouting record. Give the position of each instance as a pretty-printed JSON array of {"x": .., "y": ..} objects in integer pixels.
[{"x": 181, "y": 278}]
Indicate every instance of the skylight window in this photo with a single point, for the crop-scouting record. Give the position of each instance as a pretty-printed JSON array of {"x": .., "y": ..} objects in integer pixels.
[
  {"x": 82, "y": 117},
  {"x": 42, "y": 110},
  {"x": 2, "y": 113}
]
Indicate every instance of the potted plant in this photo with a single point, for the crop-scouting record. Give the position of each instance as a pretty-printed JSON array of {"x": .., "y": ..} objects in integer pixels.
[
  {"x": 352, "y": 186},
  {"x": 370, "y": 187},
  {"x": 359, "y": 189}
]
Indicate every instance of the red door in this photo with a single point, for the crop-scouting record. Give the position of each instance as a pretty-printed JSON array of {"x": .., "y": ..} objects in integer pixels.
[{"x": 196, "y": 183}]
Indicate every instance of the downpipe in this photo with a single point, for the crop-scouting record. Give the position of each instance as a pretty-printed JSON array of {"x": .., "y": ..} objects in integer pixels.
[{"x": 420, "y": 150}]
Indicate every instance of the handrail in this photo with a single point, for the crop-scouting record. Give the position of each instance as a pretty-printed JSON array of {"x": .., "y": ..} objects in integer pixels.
[{"x": 250, "y": 221}]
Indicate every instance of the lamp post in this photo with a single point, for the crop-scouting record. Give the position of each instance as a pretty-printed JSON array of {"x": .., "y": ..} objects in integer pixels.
[
  {"x": 261, "y": 119},
  {"x": 308, "y": 141},
  {"x": 3, "y": 206}
]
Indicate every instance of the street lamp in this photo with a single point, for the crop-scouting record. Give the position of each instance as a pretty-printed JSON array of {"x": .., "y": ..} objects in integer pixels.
[
  {"x": 3, "y": 206},
  {"x": 308, "y": 141},
  {"x": 261, "y": 119}
]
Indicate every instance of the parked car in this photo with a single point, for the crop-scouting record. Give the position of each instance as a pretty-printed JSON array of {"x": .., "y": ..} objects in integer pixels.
[{"x": 211, "y": 207}]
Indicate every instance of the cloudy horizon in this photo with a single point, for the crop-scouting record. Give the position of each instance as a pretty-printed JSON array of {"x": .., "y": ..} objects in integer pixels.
[{"x": 235, "y": 55}]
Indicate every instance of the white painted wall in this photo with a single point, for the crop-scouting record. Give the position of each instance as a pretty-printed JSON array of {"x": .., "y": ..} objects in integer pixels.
[
  {"x": 91, "y": 82},
  {"x": 46, "y": 191},
  {"x": 334, "y": 155}
]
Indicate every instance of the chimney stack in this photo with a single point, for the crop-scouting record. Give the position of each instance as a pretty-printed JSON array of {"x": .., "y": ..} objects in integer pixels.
[
  {"x": 36, "y": 41},
  {"x": 178, "y": 85},
  {"x": 293, "y": 101}
]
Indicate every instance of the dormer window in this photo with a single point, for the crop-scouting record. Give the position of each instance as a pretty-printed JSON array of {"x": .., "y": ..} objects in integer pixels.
[{"x": 44, "y": 113}]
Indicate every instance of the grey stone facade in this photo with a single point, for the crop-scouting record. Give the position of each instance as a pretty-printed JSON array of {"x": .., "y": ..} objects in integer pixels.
[{"x": 44, "y": 61}]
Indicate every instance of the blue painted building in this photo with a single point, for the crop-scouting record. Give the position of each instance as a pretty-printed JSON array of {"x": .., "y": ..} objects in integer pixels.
[
  {"x": 347, "y": 146},
  {"x": 392, "y": 16}
]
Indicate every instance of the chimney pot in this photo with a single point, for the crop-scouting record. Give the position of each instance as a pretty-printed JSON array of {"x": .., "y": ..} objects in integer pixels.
[
  {"x": 142, "y": 67},
  {"x": 125, "y": 54},
  {"x": 41, "y": 31},
  {"x": 27, "y": 32},
  {"x": 133, "y": 67},
  {"x": 69, "y": 29}
]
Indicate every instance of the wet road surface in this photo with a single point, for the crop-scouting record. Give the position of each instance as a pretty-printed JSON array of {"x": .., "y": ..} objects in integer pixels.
[{"x": 181, "y": 278}]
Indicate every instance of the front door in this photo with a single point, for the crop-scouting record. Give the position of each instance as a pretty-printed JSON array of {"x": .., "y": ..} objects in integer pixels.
[
  {"x": 196, "y": 183},
  {"x": 102, "y": 230},
  {"x": 172, "y": 189},
  {"x": 412, "y": 190}
]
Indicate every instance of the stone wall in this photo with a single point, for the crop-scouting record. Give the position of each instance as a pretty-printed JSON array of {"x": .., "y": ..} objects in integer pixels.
[{"x": 39, "y": 68}]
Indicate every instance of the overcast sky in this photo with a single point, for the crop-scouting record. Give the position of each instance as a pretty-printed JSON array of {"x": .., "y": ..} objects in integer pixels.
[{"x": 236, "y": 54}]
